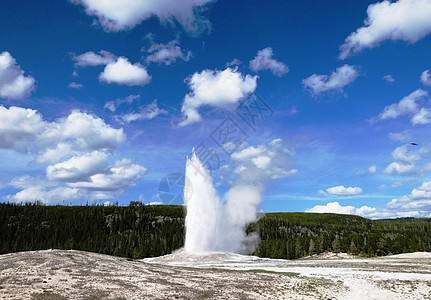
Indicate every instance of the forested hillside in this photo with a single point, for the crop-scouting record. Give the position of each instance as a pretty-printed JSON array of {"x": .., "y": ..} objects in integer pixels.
[
  {"x": 138, "y": 231},
  {"x": 294, "y": 235},
  {"x": 134, "y": 231}
]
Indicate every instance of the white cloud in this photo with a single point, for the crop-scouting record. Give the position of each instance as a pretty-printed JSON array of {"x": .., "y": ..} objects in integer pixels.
[
  {"x": 78, "y": 168},
  {"x": 337, "y": 81},
  {"x": 13, "y": 84},
  {"x": 389, "y": 78},
  {"x": 407, "y": 106},
  {"x": 19, "y": 127},
  {"x": 425, "y": 78},
  {"x": 233, "y": 63},
  {"x": 264, "y": 61},
  {"x": 23, "y": 129},
  {"x": 344, "y": 191},
  {"x": 400, "y": 168},
  {"x": 35, "y": 188},
  {"x": 405, "y": 160},
  {"x": 322, "y": 193},
  {"x": 123, "y": 72},
  {"x": 74, "y": 85},
  {"x": 46, "y": 195},
  {"x": 117, "y": 70},
  {"x": 123, "y": 175},
  {"x": 418, "y": 202},
  {"x": 336, "y": 208},
  {"x": 401, "y": 153},
  {"x": 372, "y": 169},
  {"x": 264, "y": 161},
  {"x": 167, "y": 53},
  {"x": 79, "y": 178},
  {"x": 119, "y": 15},
  {"x": 216, "y": 88},
  {"x": 113, "y": 105},
  {"x": 402, "y": 136},
  {"x": 148, "y": 112},
  {"x": 92, "y": 59},
  {"x": 154, "y": 203},
  {"x": 423, "y": 116},
  {"x": 407, "y": 20},
  {"x": 54, "y": 153},
  {"x": 86, "y": 132},
  {"x": 85, "y": 142}
]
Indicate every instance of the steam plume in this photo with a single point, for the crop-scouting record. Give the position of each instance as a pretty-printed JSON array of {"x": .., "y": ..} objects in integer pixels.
[{"x": 214, "y": 225}]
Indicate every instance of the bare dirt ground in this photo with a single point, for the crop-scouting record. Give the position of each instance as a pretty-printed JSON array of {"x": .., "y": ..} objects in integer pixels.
[{"x": 58, "y": 274}]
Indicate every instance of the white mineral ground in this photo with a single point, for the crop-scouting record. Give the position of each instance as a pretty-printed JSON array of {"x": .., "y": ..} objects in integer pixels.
[{"x": 61, "y": 274}]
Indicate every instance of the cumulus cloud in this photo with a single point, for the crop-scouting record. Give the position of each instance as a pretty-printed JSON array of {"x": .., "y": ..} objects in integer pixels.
[
  {"x": 123, "y": 72},
  {"x": 79, "y": 178},
  {"x": 400, "y": 168},
  {"x": 113, "y": 105},
  {"x": 372, "y": 169},
  {"x": 123, "y": 175},
  {"x": 222, "y": 89},
  {"x": 344, "y": 191},
  {"x": 92, "y": 59},
  {"x": 167, "y": 53},
  {"x": 401, "y": 153},
  {"x": 389, "y": 78},
  {"x": 85, "y": 132},
  {"x": 78, "y": 168},
  {"x": 148, "y": 112},
  {"x": 13, "y": 84},
  {"x": 120, "y": 15},
  {"x": 407, "y": 20},
  {"x": 405, "y": 160},
  {"x": 45, "y": 194},
  {"x": 264, "y": 61},
  {"x": 423, "y": 116},
  {"x": 406, "y": 106},
  {"x": 117, "y": 70},
  {"x": 425, "y": 78},
  {"x": 418, "y": 201},
  {"x": 264, "y": 161},
  {"x": 19, "y": 128},
  {"x": 24, "y": 130},
  {"x": 336, "y": 208},
  {"x": 342, "y": 76},
  {"x": 77, "y": 146}
]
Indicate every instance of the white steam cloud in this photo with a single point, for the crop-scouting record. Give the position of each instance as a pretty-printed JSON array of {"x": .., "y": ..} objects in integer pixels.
[{"x": 214, "y": 225}]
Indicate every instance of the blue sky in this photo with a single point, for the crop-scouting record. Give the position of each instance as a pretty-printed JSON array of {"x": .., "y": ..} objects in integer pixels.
[{"x": 100, "y": 100}]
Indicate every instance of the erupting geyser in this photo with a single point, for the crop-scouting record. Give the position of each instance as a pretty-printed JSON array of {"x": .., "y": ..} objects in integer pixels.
[{"x": 213, "y": 225}]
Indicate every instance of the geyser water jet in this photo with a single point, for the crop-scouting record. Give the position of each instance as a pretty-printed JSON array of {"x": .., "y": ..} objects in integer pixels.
[{"x": 213, "y": 225}]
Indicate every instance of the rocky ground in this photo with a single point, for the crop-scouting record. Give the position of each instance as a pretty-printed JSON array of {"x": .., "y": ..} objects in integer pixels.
[{"x": 58, "y": 274}]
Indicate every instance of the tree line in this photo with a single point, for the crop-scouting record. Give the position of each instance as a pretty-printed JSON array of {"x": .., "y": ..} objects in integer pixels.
[
  {"x": 134, "y": 231},
  {"x": 138, "y": 231},
  {"x": 295, "y": 235}
]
